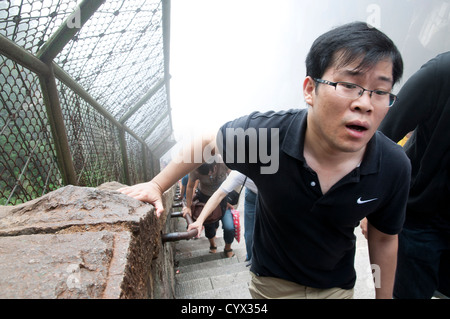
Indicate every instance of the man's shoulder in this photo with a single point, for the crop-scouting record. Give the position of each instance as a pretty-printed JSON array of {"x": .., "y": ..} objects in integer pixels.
[
  {"x": 274, "y": 119},
  {"x": 276, "y": 115},
  {"x": 270, "y": 119}
]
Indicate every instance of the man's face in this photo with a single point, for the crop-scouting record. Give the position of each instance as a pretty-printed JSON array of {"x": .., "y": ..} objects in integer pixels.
[{"x": 341, "y": 124}]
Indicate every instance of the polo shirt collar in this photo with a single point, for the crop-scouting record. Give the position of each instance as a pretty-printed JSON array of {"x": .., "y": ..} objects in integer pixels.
[
  {"x": 372, "y": 158},
  {"x": 294, "y": 140},
  {"x": 294, "y": 143}
]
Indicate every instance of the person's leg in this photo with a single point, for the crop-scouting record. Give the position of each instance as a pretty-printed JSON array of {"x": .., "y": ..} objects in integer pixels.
[
  {"x": 274, "y": 288},
  {"x": 210, "y": 233},
  {"x": 228, "y": 232},
  {"x": 249, "y": 221},
  {"x": 419, "y": 255}
]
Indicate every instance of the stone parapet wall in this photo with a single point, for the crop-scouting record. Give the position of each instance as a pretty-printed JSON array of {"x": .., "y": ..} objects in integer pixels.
[{"x": 79, "y": 242}]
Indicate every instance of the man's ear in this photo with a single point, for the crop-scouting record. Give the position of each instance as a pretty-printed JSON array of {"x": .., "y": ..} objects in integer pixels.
[{"x": 309, "y": 87}]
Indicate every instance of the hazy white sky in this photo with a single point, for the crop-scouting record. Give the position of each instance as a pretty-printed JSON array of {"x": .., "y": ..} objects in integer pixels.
[{"x": 229, "y": 58}]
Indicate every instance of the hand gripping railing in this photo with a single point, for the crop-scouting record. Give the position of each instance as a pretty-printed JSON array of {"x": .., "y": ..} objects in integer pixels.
[{"x": 171, "y": 237}]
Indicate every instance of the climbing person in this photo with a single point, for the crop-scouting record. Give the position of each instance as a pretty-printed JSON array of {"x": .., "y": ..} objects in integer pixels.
[
  {"x": 210, "y": 176},
  {"x": 235, "y": 180}
]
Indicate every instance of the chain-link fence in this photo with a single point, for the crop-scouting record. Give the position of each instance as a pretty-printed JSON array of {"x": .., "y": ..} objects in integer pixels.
[{"x": 84, "y": 93}]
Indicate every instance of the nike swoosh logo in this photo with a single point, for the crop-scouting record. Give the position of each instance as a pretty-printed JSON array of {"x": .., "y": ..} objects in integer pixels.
[{"x": 362, "y": 202}]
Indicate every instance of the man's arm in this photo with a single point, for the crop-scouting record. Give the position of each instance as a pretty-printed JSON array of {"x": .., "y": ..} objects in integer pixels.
[
  {"x": 415, "y": 103},
  {"x": 383, "y": 253},
  {"x": 184, "y": 163}
]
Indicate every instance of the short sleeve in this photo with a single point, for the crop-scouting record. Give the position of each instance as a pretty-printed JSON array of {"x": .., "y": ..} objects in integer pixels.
[{"x": 390, "y": 218}]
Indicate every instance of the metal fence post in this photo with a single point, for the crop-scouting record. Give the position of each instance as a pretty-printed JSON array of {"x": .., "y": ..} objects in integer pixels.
[
  {"x": 145, "y": 161},
  {"x": 123, "y": 150},
  {"x": 56, "y": 122}
]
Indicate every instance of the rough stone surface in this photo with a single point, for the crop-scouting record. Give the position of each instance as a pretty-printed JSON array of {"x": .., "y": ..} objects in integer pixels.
[
  {"x": 72, "y": 206},
  {"x": 79, "y": 242}
]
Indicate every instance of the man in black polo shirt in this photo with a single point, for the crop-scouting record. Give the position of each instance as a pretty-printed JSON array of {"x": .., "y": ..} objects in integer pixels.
[{"x": 319, "y": 171}]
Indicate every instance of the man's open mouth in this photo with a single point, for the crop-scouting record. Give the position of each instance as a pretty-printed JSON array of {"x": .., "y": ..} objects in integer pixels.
[{"x": 357, "y": 128}]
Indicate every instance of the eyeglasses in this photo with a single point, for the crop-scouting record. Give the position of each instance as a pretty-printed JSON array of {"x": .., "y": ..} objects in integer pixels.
[{"x": 353, "y": 91}]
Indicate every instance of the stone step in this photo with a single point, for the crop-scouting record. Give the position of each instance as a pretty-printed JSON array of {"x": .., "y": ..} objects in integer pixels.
[
  {"x": 208, "y": 270},
  {"x": 201, "y": 256},
  {"x": 233, "y": 286},
  {"x": 208, "y": 266},
  {"x": 200, "y": 244},
  {"x": 202, "y": 275},
  {"x": 239, "y": 291}
]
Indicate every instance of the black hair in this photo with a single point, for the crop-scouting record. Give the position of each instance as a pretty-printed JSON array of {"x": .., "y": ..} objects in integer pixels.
[
  {"x": 348, "y": 43},
  {"x": 205, "y": 168}
]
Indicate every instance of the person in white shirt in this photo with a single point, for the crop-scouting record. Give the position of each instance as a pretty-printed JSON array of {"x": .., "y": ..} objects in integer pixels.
[{"x": 234, "y": 181}]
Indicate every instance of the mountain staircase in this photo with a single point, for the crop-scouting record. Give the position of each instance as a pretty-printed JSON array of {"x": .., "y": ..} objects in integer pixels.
[{"x": 202, "y": 275}]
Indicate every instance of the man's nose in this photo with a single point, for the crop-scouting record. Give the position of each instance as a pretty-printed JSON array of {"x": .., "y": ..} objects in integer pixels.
[{"x": 363, "y": 103}]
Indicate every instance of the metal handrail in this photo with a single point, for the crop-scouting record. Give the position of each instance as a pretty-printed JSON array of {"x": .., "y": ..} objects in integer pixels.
[{"x": 171, "y": 237}]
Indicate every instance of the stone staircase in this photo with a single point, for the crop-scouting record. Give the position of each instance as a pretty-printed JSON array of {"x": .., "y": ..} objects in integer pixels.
[{"x": 202, "y": 275}]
